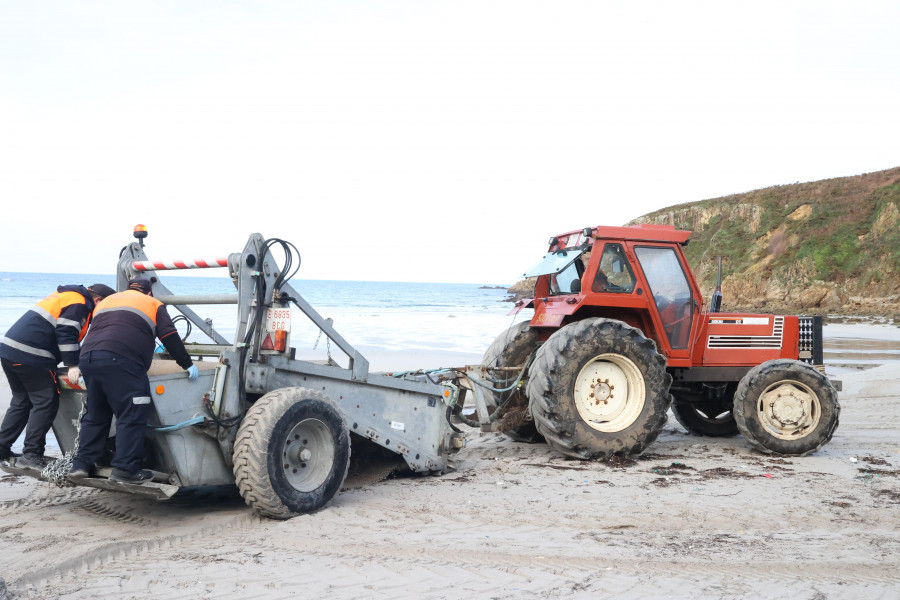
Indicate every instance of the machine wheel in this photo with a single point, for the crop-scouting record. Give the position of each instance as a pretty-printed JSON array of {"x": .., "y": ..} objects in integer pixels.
[
  {"x": 712, "y": 418},
  {"x": 511, "y": 348},
  {"x": 291, "y": 453},
  {"x": 786, "y": 407},
  {"x": 597, "y": 388}
]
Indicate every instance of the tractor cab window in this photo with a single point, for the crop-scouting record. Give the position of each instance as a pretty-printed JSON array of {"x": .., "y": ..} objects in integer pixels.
[
  {"x": 614, "y": 273},
  {"x": 567, "y": 281},
  {"x": 565, "y": 269},
  {"x": 671, "y": 292}
]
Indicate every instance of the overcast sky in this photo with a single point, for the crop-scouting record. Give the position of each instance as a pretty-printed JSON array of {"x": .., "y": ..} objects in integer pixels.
[{"x": 417, "y": 141}]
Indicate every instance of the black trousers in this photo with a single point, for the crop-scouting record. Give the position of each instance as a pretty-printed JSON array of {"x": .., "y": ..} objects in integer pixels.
[
  {"x": 35, "y": 400},
  {"x": 115, "y": 386}
]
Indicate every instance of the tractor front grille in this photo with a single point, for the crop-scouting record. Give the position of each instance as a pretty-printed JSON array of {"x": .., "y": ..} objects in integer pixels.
[{"x": 811, "y": 340}]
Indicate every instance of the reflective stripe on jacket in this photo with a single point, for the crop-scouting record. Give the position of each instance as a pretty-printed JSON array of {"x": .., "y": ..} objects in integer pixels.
[
  {"x": 127, "y": 324},
  {"x": 133, "y": 302},
  {"x": 50, "y": 331}
]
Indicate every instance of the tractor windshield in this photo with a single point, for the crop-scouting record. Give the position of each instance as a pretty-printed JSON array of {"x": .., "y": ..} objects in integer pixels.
[
  {"x": 554, "y": 262},
  {"x": 564, "y": 268}
]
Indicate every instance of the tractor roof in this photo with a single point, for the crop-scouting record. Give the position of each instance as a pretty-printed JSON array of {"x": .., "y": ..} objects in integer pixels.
[{"x": 637, "y": 233}]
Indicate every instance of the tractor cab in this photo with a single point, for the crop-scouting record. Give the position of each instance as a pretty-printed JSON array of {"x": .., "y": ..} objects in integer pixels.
[{"x": 635, "y": 274}]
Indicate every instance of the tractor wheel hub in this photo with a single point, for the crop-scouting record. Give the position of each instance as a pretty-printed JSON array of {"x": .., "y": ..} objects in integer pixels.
[
  {"x": 602, "y": 392},
  {"x": 788, "y": 409}
]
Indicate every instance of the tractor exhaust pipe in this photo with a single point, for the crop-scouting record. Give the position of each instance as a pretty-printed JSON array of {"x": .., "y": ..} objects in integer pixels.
[{"x": 715, "y": 304}]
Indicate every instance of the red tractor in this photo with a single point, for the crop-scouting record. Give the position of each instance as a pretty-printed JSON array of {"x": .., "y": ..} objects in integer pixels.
[{"x": 620, "y": 334}]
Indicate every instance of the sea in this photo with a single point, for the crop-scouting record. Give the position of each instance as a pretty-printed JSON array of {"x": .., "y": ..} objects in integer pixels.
[
  {"x": 432, "y": 321},
  {"x": 454, "y": 322}
]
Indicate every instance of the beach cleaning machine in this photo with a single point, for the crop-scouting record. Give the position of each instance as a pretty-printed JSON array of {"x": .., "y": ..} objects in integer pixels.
[{"x": 278, "y": 428}]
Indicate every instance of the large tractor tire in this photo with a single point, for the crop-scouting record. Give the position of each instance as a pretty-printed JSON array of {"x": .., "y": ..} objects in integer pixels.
[
  {"x": 712, "y": 418},
  {"x": 291, "y": 453},
  {"x": 599, "y": 388},
  {"x": 510, "y": 349},
  {"x": 786, "y": 407}
]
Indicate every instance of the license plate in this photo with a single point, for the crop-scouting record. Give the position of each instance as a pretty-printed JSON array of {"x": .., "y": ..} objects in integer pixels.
[{"x": 278, "y": 319}]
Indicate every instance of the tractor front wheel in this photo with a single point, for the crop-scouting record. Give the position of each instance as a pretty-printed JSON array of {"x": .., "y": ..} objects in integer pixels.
[
  {"x": 291, "y": 453},
  {"x": 597, "y": 388},
  {"x": 786, "y": 407}
]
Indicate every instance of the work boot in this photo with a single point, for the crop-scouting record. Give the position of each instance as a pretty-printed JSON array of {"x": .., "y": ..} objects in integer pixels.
[
  {"x": 137, "y": 477},
  {"x": 76, "y": 473},
  {"x": 32, "y": 461},
  {"x": 8, "y": 454}
]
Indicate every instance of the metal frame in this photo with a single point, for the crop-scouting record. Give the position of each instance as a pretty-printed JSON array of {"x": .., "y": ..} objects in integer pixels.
[{"x": 409, "y": 416}]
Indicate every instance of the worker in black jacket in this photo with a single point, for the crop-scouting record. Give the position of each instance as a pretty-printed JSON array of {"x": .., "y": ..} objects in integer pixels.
[
  {"x": 115, "y": 358},
  {"x": 46, "y": 335}
]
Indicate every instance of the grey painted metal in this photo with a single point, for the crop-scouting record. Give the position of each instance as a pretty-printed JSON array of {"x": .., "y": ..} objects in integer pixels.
[
  {"x": 307, "y": 454},
  {"x": 192, "y": 453},
  {"x": 126, "y": 272},
  {"x": 481, "y": 408},
  {"x": 206, "y": 349},
  {"x": 409, "y": 416},
  {"x": 152, "y": 489},
  {"x": 406, "y": 417},
  {"x": 359, "y": 366},
  {"x": 199, "y": 299},
  {"x": 484, "y": 403},
  {"x": 65, "y": 425}
]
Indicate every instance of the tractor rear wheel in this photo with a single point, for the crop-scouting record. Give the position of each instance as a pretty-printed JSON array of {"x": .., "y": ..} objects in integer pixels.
[
  {"x": 291, "y": 453},
  {"x": 597, "y": 388},
  {"x": 510, "y": 349},
  {"x": 786, "y": 407},
  {"x": 712, "y": 418}
]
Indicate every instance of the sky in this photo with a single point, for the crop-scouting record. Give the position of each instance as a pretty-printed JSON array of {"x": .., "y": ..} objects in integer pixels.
[{"x": 417, "y": 140}]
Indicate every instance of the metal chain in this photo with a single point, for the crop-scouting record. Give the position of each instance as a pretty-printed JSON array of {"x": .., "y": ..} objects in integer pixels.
[
  {"x": 56, "y": 471},
  {"x": 316, "y": 345},
  {"x": 327, "y": 343}
]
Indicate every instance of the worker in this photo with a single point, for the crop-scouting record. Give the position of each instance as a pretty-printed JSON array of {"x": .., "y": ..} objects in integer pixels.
[
  {"x": 46, "y": 335},
  {"x": 115, "y": 358}
]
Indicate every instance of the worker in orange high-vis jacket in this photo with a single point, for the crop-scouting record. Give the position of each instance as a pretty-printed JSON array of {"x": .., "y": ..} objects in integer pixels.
[
  {"x": 115, "y": 358},
  {"x": 46, "y": 335}
]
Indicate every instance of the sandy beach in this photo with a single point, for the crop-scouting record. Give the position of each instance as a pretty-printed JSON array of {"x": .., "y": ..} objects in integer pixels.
[{"x": 691, "y": 518}]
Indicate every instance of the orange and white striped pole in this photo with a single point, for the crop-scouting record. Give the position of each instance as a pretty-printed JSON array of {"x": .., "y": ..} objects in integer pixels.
[{"x": 172, "y": 265}]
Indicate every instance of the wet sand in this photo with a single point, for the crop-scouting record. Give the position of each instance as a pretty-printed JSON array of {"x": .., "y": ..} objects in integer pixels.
[{"x": 692, "y": 517}]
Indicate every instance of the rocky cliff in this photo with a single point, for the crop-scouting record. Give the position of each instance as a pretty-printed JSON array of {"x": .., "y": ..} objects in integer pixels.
[{"x": 830, "y": 246}]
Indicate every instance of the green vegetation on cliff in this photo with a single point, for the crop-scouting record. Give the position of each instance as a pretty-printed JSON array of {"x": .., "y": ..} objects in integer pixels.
[{"x": 832, "y": 245}]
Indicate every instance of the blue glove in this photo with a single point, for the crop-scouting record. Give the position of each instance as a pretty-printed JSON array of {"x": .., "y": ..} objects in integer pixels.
[{"x": 193, "y": 373}]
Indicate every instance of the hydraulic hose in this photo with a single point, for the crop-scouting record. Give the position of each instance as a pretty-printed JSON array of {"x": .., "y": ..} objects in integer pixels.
[{"x": 170, "y": 428}]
